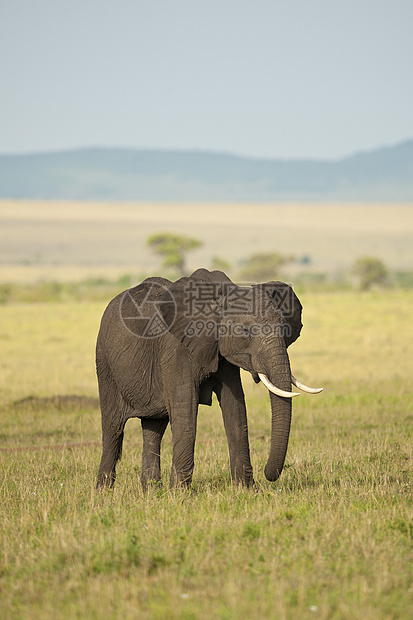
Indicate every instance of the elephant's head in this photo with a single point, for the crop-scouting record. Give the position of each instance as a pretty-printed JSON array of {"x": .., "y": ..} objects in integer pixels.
[{"x": 251, "y": 327}]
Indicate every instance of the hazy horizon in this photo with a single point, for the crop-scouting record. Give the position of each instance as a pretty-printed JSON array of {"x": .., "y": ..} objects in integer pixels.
[{"x": 200, "y": 151}]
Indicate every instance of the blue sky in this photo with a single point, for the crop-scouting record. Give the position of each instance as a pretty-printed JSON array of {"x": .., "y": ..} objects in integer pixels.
[{"x": 262, "y": 78}]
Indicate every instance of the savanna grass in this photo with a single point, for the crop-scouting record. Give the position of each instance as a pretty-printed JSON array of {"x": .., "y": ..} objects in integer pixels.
[{"x": 331, "y": 539}]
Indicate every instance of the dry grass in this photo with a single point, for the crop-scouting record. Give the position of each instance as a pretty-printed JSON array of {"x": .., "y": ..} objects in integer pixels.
[{"x": 98, "y": 236}]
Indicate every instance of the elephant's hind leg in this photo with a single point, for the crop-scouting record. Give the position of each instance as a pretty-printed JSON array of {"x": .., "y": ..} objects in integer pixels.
[
  {"x": 153, "y": 430},
  {"x": 111, "y": 453},
  {"x": 114, "y": 418}
]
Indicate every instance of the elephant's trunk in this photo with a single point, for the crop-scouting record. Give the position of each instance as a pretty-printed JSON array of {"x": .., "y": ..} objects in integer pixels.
[{"x": 281, "y": 414}]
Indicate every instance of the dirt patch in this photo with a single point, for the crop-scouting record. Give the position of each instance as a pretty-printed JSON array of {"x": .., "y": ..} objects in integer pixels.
[{"x": 60, "y": 403}]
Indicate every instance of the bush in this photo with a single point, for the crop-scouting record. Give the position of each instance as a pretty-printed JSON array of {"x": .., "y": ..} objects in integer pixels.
[
  {"x": 263, "y": 267},
  {"x": 369, "y": 271}
]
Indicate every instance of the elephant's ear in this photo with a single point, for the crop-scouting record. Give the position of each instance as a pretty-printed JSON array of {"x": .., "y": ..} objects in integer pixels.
[
  {"x": 194, "y": 316},
  {"x": 284, "y": 298}
]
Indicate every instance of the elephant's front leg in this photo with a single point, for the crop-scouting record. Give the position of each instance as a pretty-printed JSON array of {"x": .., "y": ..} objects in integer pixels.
[
  {"x": 231, "y": 399},
  {"x": 153, "y": 430},
  {"x": 183, "y": 418}
]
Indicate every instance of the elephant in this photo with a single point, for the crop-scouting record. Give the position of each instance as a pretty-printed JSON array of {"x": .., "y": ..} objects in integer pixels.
[{"x": 165, "y": 347}]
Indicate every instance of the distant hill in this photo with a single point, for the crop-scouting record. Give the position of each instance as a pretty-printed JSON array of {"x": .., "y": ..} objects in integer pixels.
[{"x": 383, "y": 175}]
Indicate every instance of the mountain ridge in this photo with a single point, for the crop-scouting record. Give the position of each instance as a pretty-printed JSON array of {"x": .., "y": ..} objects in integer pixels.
[{"x": 126, "y": 174}]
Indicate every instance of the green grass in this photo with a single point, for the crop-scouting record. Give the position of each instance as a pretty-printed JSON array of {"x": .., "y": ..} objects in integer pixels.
[
  {"x": 102, "y": 289},
  {"x": 331, "y": 539},
  {"x": 50, "y": 291}
]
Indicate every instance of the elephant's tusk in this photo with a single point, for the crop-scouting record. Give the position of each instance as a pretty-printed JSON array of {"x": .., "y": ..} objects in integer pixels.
[
  {"x": 305, "y": 388},
  {"x": 272, "y": 388}
]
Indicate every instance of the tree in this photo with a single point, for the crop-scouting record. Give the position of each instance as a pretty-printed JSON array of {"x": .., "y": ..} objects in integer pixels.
[
  {"x": 369, "y": 271},
  {"x": 173, "y": 248},
  {"x": 263, "y": 266}
]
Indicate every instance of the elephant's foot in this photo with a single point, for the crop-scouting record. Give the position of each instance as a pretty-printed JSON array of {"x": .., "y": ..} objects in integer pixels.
[
  {"x": 151, "y": 483},
  {"x": 105, "y": 481},
  {"x": 180, "y": 480},
  {"x": 249, "y": 483},
  {"x": 242, "y": 474}
]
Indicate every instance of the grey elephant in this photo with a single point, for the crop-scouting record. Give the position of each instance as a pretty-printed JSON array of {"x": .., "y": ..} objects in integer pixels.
[{"x": 165, "y": 347}]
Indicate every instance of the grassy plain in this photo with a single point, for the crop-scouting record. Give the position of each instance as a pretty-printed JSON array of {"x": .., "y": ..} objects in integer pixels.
[{"x": 331, "y": 539}]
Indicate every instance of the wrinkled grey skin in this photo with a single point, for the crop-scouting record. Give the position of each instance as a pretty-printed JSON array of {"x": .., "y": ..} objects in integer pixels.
[{"x": 164, "y": 378}]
